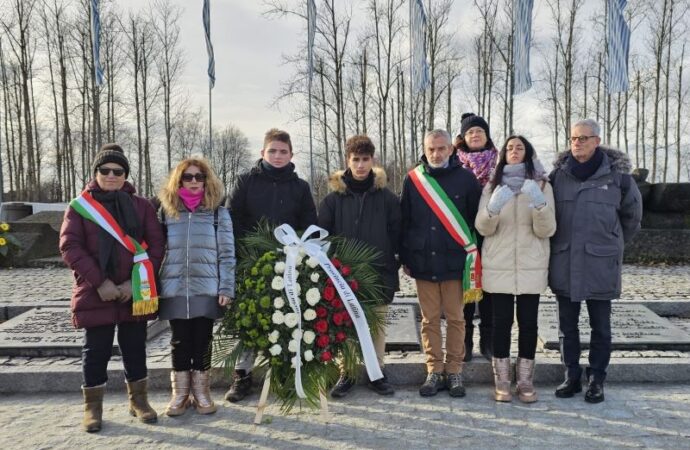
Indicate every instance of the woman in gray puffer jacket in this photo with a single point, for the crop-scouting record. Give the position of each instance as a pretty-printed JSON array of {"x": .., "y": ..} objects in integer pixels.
[{"x": 197, "y": 277}]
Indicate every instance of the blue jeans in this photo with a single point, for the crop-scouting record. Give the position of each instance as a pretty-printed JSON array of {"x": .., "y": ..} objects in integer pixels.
[
  {"x": 600, "y": 340},
  {"x": 98, "y": 347}
]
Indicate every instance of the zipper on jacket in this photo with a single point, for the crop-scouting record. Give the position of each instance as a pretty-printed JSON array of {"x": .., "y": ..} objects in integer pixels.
[
  {"x": 189, "y": 227},
  {"x": 362, "y": 198}
]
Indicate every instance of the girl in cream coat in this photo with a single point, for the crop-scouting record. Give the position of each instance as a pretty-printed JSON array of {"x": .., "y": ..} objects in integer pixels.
[{"x": 516, "y": 217}]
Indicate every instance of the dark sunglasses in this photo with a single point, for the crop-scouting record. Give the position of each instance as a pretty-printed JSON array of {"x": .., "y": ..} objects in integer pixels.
[
  {"x": 105, "y": 171},
  {"x": 193, "y": 176}
]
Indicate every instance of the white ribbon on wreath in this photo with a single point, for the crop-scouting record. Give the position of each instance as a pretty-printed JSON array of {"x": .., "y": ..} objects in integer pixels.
[{"x": 317, "y": 248}]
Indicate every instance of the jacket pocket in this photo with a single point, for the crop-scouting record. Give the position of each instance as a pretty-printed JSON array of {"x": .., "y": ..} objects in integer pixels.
[
  {"x": 601, "y": 268},
  {"x": 559, "y": 267}
]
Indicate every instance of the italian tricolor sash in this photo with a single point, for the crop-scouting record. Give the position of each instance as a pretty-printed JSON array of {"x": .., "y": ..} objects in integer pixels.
[
  {"x": 144, "y": 293},
  {"x": 437, "y": 199}
]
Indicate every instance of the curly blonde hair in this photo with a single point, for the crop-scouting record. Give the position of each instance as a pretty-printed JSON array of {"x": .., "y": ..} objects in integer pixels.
[{"x": 213, "y": 187}]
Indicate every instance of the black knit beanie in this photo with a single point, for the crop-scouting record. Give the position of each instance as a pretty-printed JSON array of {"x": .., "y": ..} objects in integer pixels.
[
  {"x": 111, "y": 153},
  {"x": 470, "y": 120}
]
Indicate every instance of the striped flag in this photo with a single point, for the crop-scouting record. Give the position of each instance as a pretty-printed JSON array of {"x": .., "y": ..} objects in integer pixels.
[
  {"x": 419, "y": 65},
  {"x": 311, "y": 31},
  {"x": 619, "y": 47},
  {"x": 96, "y": 42},
  {"x": 521, "y": 45},
  {"x": 209, "y": 46}
]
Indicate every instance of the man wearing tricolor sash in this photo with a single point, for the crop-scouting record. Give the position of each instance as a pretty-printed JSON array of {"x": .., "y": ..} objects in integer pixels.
[
  {"x": 112, "y": 241},
  {"x": 439, "y": 250}
]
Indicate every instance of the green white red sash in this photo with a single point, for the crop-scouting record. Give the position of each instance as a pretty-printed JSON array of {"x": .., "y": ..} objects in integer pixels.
[
  {"x": 144, "y": 292},
  {"x": 437, "y": 199}
]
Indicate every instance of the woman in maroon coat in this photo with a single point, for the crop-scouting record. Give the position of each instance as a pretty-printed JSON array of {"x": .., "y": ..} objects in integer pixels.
[{"x": 102, "y": 291}]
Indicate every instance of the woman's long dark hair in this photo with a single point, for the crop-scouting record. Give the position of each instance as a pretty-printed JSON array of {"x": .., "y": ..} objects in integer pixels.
[{"x": 529, "y": 164}]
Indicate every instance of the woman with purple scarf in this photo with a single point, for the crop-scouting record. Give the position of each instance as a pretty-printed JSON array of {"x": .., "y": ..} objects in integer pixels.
[{"x": 477, "y": 154}]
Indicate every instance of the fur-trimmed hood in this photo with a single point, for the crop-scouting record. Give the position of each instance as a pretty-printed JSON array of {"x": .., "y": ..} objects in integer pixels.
[
  {"x": 337, "y": 184},
  {"x": 619, "y": 161}
]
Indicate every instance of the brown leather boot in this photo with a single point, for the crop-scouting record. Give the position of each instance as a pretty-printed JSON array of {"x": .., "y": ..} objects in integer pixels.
[
  {"x": 525, "y": 376},
  {"x": 201, "y": 390},
  {"x": 93, "y": 408},
  {"x": 180, "y": 401},
  {"x": 501, "y": 368},
  {"x": 138, "y": 402}
]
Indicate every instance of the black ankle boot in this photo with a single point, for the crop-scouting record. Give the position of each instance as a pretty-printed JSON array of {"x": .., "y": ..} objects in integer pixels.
[
  {"x": 595, "y": 391},
  {"x": 568, "y": 388}
]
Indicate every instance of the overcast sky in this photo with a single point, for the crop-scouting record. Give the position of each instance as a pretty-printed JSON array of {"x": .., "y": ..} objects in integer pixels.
[{"x": 249, "y": 70}]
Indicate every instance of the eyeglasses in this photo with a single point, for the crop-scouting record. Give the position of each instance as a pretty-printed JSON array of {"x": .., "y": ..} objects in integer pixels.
[
  {"x": 194, "y": 176},
  {"x": 105, "y": 171},
  {"x": 580, "y": 139}
]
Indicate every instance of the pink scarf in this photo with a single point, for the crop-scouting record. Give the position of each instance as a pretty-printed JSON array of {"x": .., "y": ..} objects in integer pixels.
[
  {"x": 190, "y": 199},
  {"x": 480, "y": 163}
]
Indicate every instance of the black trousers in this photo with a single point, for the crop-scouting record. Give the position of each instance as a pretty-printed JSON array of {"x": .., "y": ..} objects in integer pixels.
[
  {"x": 98, "y": 347},
  {"x": 191, "y": 343},
  {"x": 485, "y": 317},
  {"x": 600, "y": 339},
  {"x": 527, "y": 312}
]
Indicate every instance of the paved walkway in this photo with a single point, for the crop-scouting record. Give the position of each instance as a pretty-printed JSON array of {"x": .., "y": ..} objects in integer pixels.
[{"x": 633, "y": 416}]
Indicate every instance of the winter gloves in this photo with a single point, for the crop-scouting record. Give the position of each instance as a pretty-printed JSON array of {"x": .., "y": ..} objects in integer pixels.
[
  {"x": 531, "y": 188},
  {"x": 503, "y": 194},
  {"x": 498, "y": 200}
]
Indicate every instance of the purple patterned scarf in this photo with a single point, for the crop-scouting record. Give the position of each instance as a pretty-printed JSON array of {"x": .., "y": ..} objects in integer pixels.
[{"x": 480, "y": 163}]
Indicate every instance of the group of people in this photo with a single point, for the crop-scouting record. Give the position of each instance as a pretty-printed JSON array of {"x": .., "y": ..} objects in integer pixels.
[{"x": 470, "y": 218}]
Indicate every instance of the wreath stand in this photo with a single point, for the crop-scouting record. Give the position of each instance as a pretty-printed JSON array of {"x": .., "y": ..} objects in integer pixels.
[{"x": 263, "y": 400}]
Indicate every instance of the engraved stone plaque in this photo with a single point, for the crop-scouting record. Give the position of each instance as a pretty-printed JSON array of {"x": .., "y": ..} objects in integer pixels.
[
  {"x": 402, "y": 328},
  {"x": 633, "y": 327},
  {"x": 44, "y": 332}
]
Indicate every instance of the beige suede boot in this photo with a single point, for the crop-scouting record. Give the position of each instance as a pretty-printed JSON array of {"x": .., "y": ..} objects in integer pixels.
[
  {"x": 201, "y": 390},
  {"x": 139, "y": 403},
  {"x": 93, "y": 408},
  {"x": 525, "y": 376}
]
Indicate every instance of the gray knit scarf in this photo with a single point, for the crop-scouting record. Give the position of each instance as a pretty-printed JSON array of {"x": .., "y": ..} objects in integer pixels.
[{"x": 514, "y": 175}]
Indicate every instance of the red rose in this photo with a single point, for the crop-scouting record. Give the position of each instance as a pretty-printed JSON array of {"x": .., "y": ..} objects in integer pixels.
[
  {"x": 354, "y": 285},
  {"x": 321, "y": 326},
  {"x": 329, "y": 293},
  {"x": 336, "y": 262},
  {"x": 345, "y": 270},
  {"x": 337, "y": 303},
  {"x": 321, "y": 312},
  {"x": 323, "y": 341},
  {"x": 326, "y": 356},
  {"x": 338, "y": 318},
  {"x": 329, "y": 282},
  {"x": 348, "y": 321},
  {"x": 340, "y": 336}
]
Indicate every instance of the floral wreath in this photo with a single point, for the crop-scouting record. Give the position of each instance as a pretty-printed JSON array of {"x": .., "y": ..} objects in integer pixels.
[{"x": 263, "y": 317}]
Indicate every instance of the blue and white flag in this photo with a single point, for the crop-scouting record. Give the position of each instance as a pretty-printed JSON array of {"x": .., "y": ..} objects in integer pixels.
[
  {"x": 419, "y": 65},
  {"x": 209, "y": 46},
  {"x": 619, "y": 47},
  {"x": 96, "y": 42},
  {"x": 521, "y": 45},
  {"x": 311, "y": 32}
]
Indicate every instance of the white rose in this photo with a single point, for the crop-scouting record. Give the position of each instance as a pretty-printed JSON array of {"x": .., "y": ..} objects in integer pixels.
[
  {"x": 278, "y": 318},
  {"x": 298, "y": 261},
  {"x": 292, "y": 346},
  {"x": 275, "y": 349},
  {"x": 278, "y": 302},
  {"x": 309, "y": 314},
  {"x": 308, "y": 337},
  {"x": 273, "y": 337},
  {"x": 313, "y": 296},
  {"x": 313, "y": 263},
  {"x": 308, "y": 355},
  {"x": 298, "y": 289},
  {"x": 290, "y": 320},
  {"x": 293, "y": 362},
  {"x": 278, "y": 284},
  {"x": 314, "y": 276},
  {"x": 279, "y": 267}
]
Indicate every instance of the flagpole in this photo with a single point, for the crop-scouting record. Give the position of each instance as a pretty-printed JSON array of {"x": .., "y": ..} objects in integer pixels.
[
  {"x": 210, "y": 123},
  {"x": 412, "y": 102},
  {"x": 311, "y": 147}
]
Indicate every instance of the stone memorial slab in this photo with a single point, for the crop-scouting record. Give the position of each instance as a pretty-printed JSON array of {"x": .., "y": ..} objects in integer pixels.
[
  {"x": 633, "y": 327},
  {"x": 46, "y": 332},
  {"x": 402, "y": 328}
]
